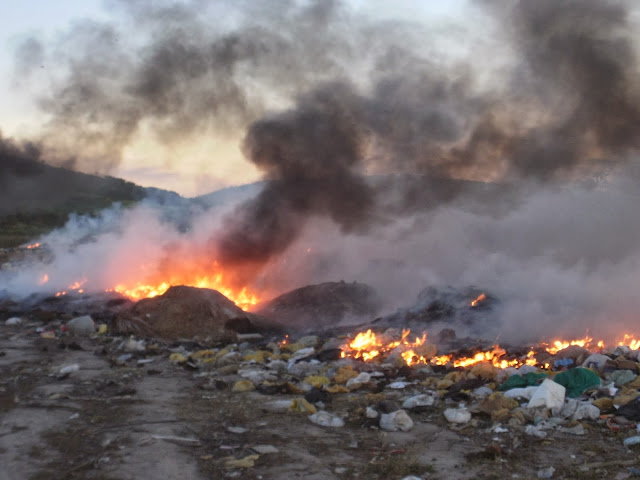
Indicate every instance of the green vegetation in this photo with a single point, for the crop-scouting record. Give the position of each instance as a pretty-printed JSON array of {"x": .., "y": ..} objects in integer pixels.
[{"x": 36, "y": 198}]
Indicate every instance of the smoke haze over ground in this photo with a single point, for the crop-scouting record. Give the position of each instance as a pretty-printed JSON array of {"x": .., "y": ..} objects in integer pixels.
[{"x": 372, "y": 140}]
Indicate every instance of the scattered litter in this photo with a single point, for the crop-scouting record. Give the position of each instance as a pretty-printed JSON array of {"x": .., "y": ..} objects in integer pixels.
[
  {"x": 300, "y": 405},
  {"x": 535, "y": 431},
  {"x": 68, "y": 370},
  {"x": 326, "y": 419},
  {"x": 523, "y": 381},
  {"x": 577, "y": 380},
  {"x": 596, "y": 361},
  {"x": 622, "y": 377},
  {"x": 243, "y": 386},
  {"x": 131, "y": 345},
  {"x": 177, "y": 358},
  {"x": 245, "y": 462},
  {"x": 586, "y": 411},
  {"x": 358, "y": 381},
  {"x": 237, "y": 430},
  {"x": 398, "y": 385},
  {"x": 575, "y": 430},
  {"x": 81, "y": 326},
  {"x": 418, "y": 401},
  {"x": 546, "y": 472},
  {"x": 457, "y": 415},
  {"x": 635, "y": 440},
  {"x": 265, "y": 449},
  {"x": 122, "y": 359},
  {"x": 396, "y": 421},
  {"x": 188, "y": 441},
  {"x": 371, "y": 412},
  {"x": 549, "y": 394}
]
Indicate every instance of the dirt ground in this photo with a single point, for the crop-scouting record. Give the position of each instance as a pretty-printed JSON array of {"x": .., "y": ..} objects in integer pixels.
[{"x": 159, "y": 419}]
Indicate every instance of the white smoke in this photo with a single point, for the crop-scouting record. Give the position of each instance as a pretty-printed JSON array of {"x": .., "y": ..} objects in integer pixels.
[
  {"x": 565, "y": 261},
  {"x": 562, "y": 261}
]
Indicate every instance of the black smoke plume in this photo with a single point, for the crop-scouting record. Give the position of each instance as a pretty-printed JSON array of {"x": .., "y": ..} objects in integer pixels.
[
  {"x": 580, "y": 80},
  {"x": 310, "y": 156},
  {"x": 330, "y": 98}
]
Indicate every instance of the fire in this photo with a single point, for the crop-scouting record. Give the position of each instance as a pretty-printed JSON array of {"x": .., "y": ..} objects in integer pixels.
[
  {"x": 241, "y": 297},
  {"x": 493, "y": 356},
  {"x": 140, "y": 290},
  {"x": 368, "y": 346},
  {"x": 629, "y": 341},
  {"x": 33, "y": 245},
  {"x": 586, "y": 342},
  {"x": 75, "y": 286},
  {"x": 480, "y": 298}
]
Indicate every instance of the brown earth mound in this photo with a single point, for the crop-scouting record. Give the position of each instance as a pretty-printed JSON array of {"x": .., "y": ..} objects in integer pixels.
[
  {"x": 317, "y": 307},
  {"x": 186, "y": 312}
]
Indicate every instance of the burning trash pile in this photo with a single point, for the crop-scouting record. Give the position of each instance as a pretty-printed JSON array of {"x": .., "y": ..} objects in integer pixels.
[{"x": 369, "y": 380}]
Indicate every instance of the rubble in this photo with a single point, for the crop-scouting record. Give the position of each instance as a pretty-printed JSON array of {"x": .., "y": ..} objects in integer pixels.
[
  {"x": 13, "y": 321},
  {"x": 326, "y": 419},
  {"x": 397, "y": 421},
  {"x": 549, "y": 395},
  {"x": 264, "y": 449},
  {"x": 546, "y": 472},
  {"x": 457, "y": 415},
  {"x": 243, "y": 391},
  {"x": 322, "y": 306},
  {"x": 420, "y": 401},
  {"x": 187, "y": 312},
  {"x": 83, "y": 325},
  {"x": 441, "y": 305}
]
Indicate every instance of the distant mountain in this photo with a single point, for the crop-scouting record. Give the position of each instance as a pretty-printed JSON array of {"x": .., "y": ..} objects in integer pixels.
[{"x": 227, "y": 195}]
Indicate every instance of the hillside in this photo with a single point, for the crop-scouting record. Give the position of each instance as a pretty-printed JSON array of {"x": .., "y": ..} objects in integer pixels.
[{"x": 36, "y": 197}]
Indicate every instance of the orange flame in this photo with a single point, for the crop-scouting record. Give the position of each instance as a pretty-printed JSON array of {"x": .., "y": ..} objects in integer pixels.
[
  {"x": 242, "y": 297},
  {"x": 586, "y": 342},
  {"x": 367, "y": 346},
  {"x": 33, "y": 245},
  {"x": 493, "y": 356},
  {"x": 77, "y": 286},
  {"x": 629, "y": 341},
  {"x": 479, "y": 298}
]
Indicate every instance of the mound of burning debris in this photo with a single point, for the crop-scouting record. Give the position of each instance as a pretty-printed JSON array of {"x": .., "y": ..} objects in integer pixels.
[
  {"x": 323, "y": 306},
  {"x": 500, "y": 402},
  {"x": 102, "y": 306},
  {"x": 464, "y": 306},
  {"x": 187, "y": 312}
]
